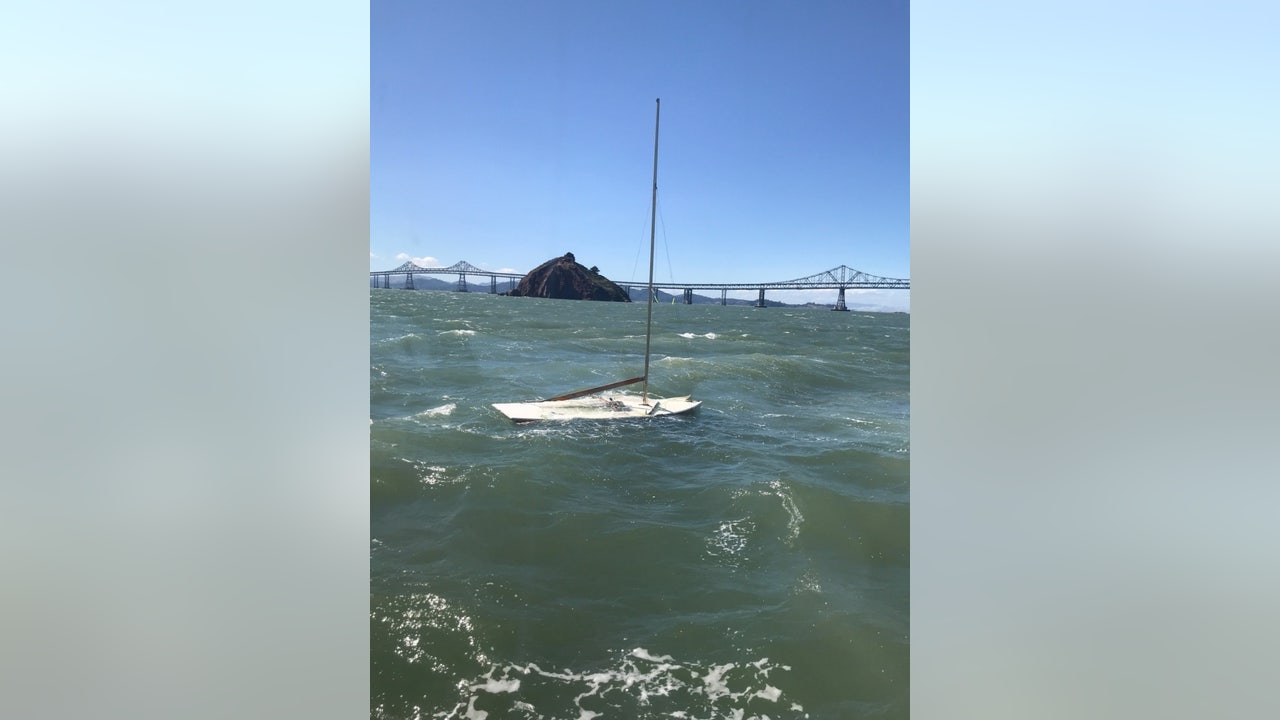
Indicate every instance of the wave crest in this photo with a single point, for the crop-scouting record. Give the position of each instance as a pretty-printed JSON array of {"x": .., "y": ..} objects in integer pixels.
[{"x": 638, "y": 684}]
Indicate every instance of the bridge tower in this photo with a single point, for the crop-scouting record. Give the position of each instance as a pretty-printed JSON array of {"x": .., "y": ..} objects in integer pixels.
[
  {"x": 840, "y": 302},
  {"x": 462, "y": 282},
  {"x": 493, "y": 284},
  {"x": 386, "y": 281},
  {"x": 760, "y": 301},
  {"x": 688, "y": 296},
  {"x": 408, "y": 281},
  {"x": 724, "y": 296}
]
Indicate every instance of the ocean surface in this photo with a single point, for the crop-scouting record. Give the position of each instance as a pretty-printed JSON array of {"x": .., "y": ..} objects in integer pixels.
[{"x": 747, "y": 561}]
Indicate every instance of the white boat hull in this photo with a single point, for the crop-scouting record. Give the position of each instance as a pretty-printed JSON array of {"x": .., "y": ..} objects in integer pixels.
[{"x": 597, "y": 407}]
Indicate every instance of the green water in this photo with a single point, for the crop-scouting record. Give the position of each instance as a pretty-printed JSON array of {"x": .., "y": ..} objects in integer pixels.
[{"x": 748, "y": 560}]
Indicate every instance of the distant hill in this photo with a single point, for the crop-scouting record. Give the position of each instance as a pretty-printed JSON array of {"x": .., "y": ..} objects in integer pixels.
[{"x": 427, "y": 282}]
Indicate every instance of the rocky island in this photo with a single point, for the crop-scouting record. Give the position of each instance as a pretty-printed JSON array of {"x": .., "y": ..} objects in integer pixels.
[{"x": 564, "y": 279}]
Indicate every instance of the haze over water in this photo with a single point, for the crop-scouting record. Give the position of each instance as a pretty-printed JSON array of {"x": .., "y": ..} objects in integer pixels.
[{"x": 749, "y": 560}]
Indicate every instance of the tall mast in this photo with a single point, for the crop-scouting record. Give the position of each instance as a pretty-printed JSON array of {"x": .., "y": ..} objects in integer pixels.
[{"x": 653, "y": 214}]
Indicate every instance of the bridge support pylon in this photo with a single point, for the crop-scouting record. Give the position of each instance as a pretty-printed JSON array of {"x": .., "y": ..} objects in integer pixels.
[
  {"x": 760, "y": 300},
  {"x": 386, "y": 282},
  {"x": 493, "y": 284},
  {"x": 688, "y": 296},
  {"x": 462, "y": 282},
  {"x": 724, "y": 296},
  {"x": 408, "y": 281},
  {"x": 840, "y": 302}
]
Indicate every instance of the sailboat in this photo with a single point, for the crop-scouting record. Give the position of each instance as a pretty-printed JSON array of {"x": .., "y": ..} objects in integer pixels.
[{"x": 592, "y": 403}]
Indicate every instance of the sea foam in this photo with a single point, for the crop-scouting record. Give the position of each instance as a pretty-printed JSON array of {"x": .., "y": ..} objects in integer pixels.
[
  {"x": 439, "y": 411},
  {"x": 640, "y": 684}
]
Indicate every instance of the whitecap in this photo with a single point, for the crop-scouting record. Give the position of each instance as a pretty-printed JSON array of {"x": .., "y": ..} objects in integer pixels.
[
  {"x": 473, "y": 713},
  {"x": 769, "y": 693},
  {"x": 440, "y": 411},
  {"x": 646, "y": 655},
  {"x": 638, "y": 680},
  {"x": 713, "y": 682},
  {"x": 498, "y": 686}
]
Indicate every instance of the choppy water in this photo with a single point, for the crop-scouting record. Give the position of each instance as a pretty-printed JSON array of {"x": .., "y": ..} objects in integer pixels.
[{"x": 750, "y": 560}]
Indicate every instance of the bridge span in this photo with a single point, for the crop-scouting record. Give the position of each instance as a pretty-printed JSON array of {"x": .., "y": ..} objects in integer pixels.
[{"x": 838, "y": 278}]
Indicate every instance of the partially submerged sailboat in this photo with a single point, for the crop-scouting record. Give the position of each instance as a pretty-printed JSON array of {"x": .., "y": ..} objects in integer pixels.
[{"x": 591, "y": 404}]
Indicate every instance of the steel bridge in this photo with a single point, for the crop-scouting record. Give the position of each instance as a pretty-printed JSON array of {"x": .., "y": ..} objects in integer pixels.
[
  {"x": 838, "y": 278},
  {"x": 382, "y": 278}
]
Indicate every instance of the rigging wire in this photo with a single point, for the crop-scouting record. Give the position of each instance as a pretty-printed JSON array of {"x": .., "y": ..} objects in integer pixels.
[
  {"x": 636, "y": 263},
  {"x": 671, "y": 276},
  {"x": 639, "y": 247}
]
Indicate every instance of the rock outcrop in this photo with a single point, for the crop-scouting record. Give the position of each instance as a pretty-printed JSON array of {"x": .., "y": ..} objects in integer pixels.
[{"x": 563, "y": 278}]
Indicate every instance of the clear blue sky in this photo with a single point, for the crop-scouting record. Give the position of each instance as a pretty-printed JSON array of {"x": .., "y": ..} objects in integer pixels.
[{"x": 508, "y": 133}]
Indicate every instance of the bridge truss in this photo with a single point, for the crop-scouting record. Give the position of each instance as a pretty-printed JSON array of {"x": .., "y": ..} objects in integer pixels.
[
  {"x": 841, "y": 277},
  {"x": 838, "y": 278},
  {"x": 462, "y": 268}
]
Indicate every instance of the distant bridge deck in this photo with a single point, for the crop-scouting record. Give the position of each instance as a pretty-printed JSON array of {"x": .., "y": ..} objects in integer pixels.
[{"x": 839, "y": 278}]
